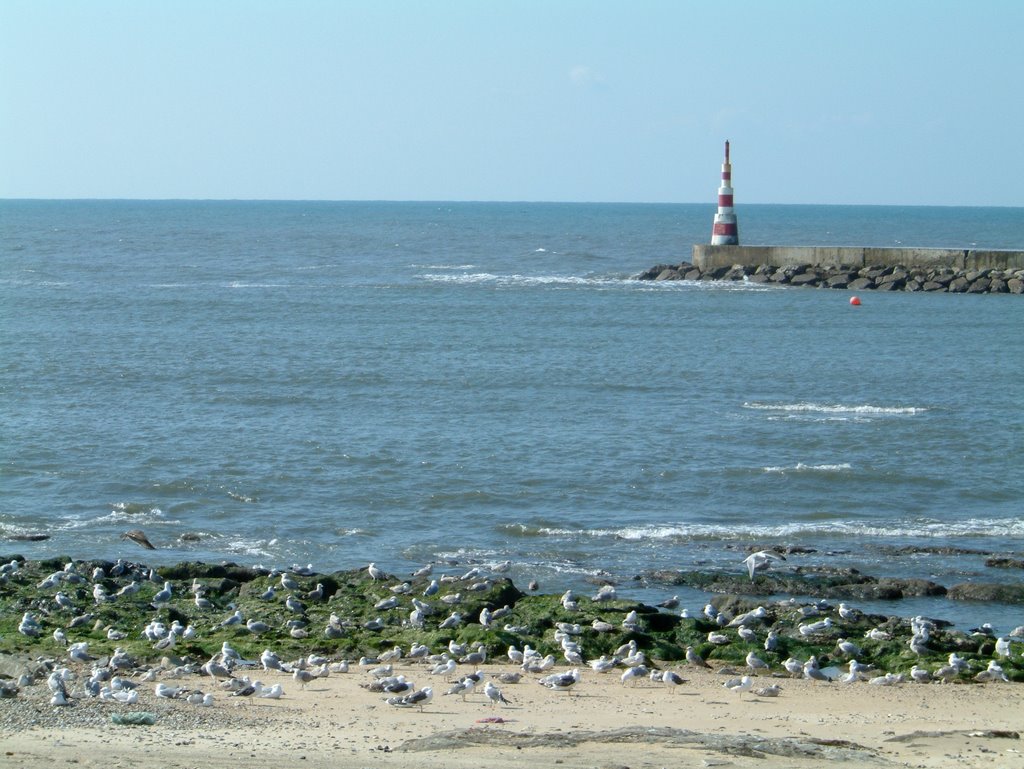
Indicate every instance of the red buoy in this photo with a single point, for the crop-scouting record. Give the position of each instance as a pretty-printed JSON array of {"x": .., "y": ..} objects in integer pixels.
[{"x": 855, "y": 301}]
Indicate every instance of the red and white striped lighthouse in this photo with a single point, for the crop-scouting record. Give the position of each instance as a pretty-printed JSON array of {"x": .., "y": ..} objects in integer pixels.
[{"x": 725, "y": 232}]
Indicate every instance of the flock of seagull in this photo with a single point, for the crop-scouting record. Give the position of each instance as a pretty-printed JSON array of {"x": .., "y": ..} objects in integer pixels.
[{"x": 117, "y": 677}]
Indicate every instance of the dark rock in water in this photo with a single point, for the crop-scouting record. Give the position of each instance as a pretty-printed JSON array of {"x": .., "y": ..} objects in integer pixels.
[
  {"x": 198, "y": 570},
  {"x": 931, "y": 549},
  {"x": 980, "y": 591},
  {"x": 29, "y": 537},
  {"x": 825, "y": 582},
  {"x": 1004, "y": 563}
]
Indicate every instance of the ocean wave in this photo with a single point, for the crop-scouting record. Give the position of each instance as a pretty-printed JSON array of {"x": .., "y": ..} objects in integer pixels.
[
  {"x": 479, "y": 278},
  {"x": 122, "y": 512},
  {"x": 973, "y": 527},
  {"x": 442, "y": 266},
  {"x": 800, "y": 467},
  {"x": 834, "y": 408}
]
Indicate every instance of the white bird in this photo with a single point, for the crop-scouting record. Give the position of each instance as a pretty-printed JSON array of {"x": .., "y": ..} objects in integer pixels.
[
  {"x": 417, "y": 699},
  {"x": 755, "y": 663},
  {"x": 288, "y": 582},
  {"x": 494, "y": 694},
  {"x": 1002, "y": 647},
  {"x": 561, "y": 682},
  {"x": 256, "y": 626},
  {"x": 739, "y": 685},
  {"x": 761, "y": 561},
  {"x": 848, "y": 648},
  {"x": 793, "y": 666},
  {"x": 672, "y": 679},
  {"x": 634, "y": 674},
  {"x": 79, "y": 652},
  {"x": 375, "y": 572},
  {"x": 162, "y": 597},
  {"x": 453, "y": 620},
  {"x": 168, "y": 692},
  {"x": 920, "y": 675},
  {"x": 127, "y": 696},
  {"x": 813, "y": 628}
]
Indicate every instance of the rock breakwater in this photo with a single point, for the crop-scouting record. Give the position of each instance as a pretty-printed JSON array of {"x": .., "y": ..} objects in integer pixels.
[{"x": 878, "y": 278}]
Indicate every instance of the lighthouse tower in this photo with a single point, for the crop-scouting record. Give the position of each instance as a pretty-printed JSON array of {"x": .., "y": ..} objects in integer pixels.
[{"x": 725, "y": 232}]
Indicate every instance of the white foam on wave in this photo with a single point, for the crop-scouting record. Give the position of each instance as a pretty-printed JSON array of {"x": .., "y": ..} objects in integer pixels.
[
  {"x": 972, "y": 527},
  {"x": 121, "y": 512},
  {"x": 800, "y": 467},
  {"x": 834, "y": 408},
  {"x": 442, "y": 266},
  {"x": 251, "y": 547},
  {"x": 480, "y": 278}
]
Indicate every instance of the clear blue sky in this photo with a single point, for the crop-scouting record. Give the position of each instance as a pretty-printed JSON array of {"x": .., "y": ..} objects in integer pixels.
[{"x": 890, "y": 102}]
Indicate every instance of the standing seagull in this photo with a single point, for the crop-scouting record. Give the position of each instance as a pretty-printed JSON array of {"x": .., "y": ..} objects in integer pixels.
[
  {"x": 494, "y": 694},
  {"x": 375, "y": 572},
  {"x": 139, "y": 537}
]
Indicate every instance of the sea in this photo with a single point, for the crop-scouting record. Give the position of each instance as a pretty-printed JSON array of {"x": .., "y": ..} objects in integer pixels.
[{"x": 485, "y": 384}]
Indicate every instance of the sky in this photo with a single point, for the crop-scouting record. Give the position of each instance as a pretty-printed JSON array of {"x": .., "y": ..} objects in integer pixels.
[{"x": 898, "y": 102}]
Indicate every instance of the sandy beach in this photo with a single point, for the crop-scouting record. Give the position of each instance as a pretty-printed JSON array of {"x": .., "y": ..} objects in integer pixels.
[{"x": 335, "y": 722}]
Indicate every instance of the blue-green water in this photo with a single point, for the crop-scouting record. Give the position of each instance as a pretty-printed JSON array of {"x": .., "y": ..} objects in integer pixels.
[{"x": 407, "y": 382}]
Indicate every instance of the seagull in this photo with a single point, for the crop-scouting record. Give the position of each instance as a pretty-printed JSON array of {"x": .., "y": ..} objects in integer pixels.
[
  {"x": 561, "y": 682},
  {"x": 746, "y": 634},
  {"x": 634, "y": 674},
  {"x": 494, "y": 694},
  {"x": 419, "y": 699},
  {"x": 793, "y": 666},
  {"x": 288, "y": 582},
  {"x": 672, "y": 679},
  {"x": 375, "y": 572},
  {"x": 768, "y": 691},
  {"x": 162, "y": 597},
  {"x": 761, "y": 561},
  {"x": 79, "y": 652},
  {"x": 848, "y": 648},
  {"x": 739, "y": 685},
  {"x": 695, "y": 659},
  {"x": 139, "y": 537},
  {"x": 168, "y": 692},
  {"x": 755, "y": 663},
  {"x": 256, "y": 626}
]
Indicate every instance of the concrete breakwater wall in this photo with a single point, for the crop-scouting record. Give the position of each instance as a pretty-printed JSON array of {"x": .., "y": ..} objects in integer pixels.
[
  {"x": 859, "y": 269},
  {"x": 707, "y": 257}
]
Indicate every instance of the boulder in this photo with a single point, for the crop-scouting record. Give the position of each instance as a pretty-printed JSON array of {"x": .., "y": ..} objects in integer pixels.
[{"x": 981, "y": 591}]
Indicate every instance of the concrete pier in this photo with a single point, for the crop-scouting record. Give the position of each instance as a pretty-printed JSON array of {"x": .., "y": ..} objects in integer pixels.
[{"x": 708, "y": 257}]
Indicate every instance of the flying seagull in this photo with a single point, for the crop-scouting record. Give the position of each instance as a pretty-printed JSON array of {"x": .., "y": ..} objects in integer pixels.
[{"x": 139, "y": 536}]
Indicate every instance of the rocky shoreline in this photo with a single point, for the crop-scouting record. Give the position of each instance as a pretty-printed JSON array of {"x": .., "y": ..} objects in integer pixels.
[
  {"x": 875, "y": 278},
  {"x": 363, "y": 613}
]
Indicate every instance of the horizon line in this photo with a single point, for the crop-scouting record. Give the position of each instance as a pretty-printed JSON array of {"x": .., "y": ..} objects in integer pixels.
[{"x": 441, "y": 201}]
